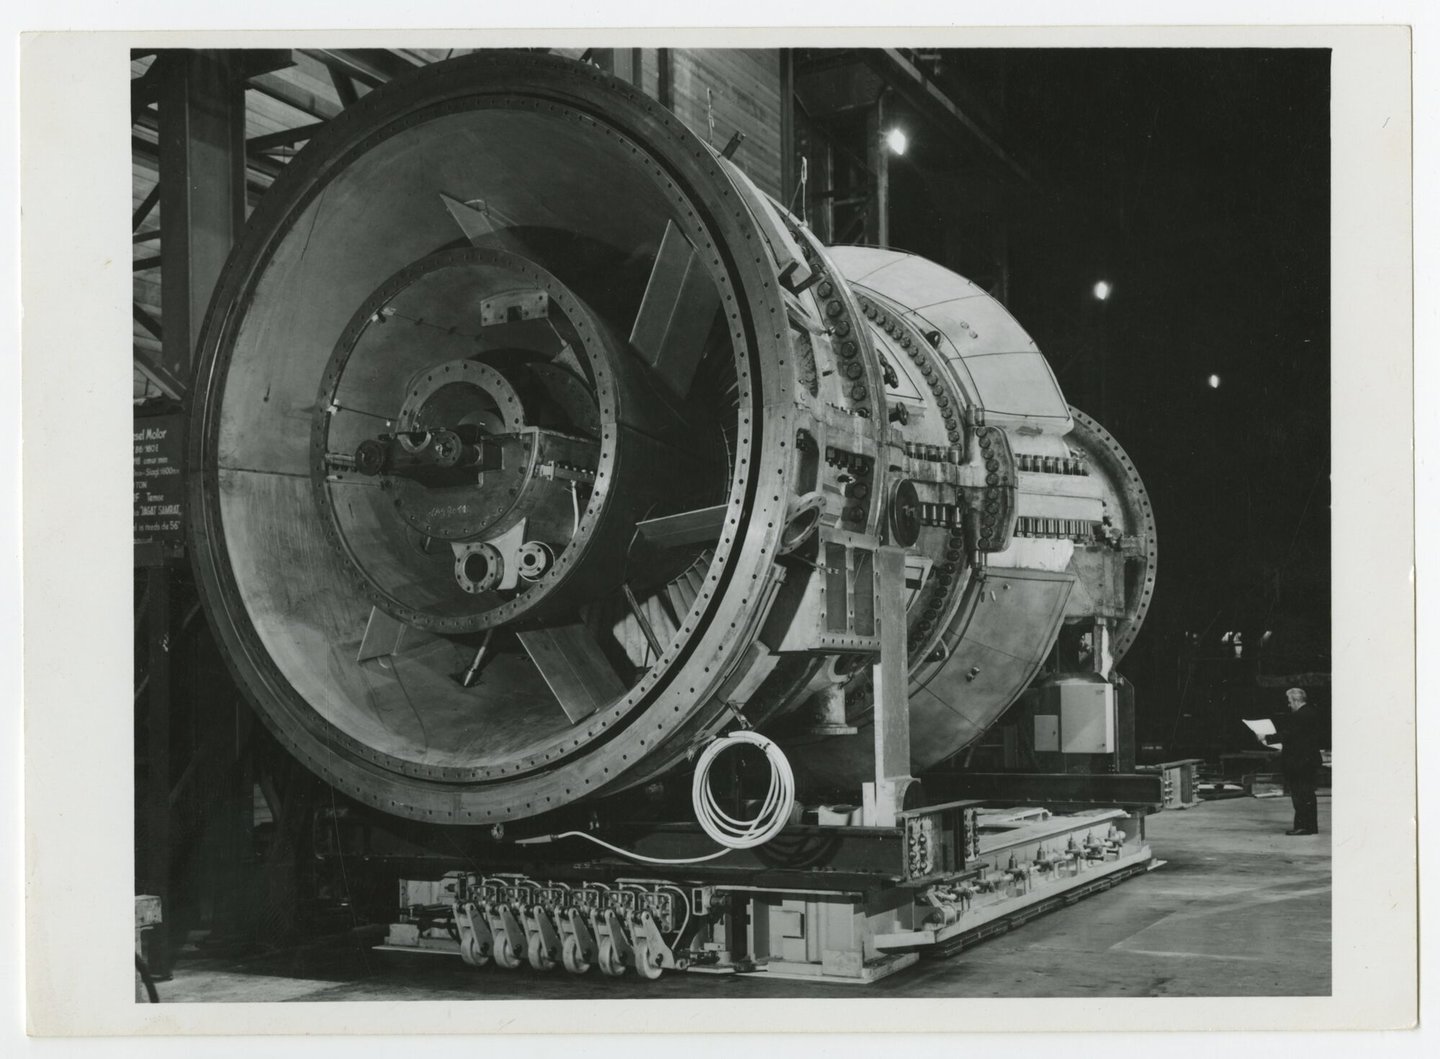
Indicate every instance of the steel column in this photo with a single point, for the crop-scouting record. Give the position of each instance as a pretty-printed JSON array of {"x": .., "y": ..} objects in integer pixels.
[
  {"x": 877, "y": 225},
  {"x": 201, "y": 163},
  {"x": 891, "y": 679},
  {"x": 665, "y": 88},
  {"x": 155, "y": 873},
  {"x": 788, "y": 167},
  {"x": 202, "y": 189}
]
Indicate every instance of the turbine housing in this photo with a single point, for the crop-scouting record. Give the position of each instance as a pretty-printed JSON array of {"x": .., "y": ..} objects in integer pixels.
[{"x": 533, "y": 445}]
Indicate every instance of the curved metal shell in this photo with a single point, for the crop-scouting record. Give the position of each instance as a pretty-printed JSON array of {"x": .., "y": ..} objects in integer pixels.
[
  {"x": 981, "y": 636},
  {"x": 574, "y": 167},
  {"x": 695, "y": 424}
]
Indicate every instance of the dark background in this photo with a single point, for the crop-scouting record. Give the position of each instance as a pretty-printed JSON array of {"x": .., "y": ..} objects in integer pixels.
[{"x": 1196, "y": 182}]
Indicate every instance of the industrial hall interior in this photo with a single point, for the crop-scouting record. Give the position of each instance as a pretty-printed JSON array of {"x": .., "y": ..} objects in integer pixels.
[{"x": 657, "y": 522}]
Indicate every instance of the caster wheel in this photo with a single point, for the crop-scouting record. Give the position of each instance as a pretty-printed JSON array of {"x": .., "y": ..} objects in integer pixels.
[
  {"x": 536, "y": 954},
  {"x": 610, "y": 962},
  {"x": 505, "y": 954},
  {"x": 571, "y": 956},
  {"x": 473, "y": 953},
  {"x": 647, "y": 965}
]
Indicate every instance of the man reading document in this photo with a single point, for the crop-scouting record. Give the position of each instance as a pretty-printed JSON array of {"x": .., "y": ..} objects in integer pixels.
[{"x": 1298, "y": 737}]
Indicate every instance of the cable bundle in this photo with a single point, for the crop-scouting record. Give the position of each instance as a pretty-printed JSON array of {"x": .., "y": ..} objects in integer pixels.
[
  {"x": 774, "y": 812},
  {"x": 719, "y": 825}
]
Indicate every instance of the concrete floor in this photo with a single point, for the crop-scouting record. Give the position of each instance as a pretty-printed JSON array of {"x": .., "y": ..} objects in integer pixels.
[{"x": 1238, "y": 909}]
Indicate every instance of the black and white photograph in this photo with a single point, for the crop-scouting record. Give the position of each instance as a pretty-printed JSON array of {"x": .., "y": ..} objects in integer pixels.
[{"x": 811, "y": 520}]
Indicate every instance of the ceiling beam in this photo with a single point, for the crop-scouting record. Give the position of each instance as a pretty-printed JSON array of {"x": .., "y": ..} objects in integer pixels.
[
  {"x": 916, "y": 88},
  {"x": 370, "y": 66},
  {"x": 277, "y": 88}
]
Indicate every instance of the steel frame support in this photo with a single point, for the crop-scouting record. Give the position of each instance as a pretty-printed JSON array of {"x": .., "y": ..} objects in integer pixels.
[
  {"x": 925, "y": 96},
  {"x": 370, "y": 66},
  {"x": 878, "y": 153},
  {"x": 201, "y": 184},
  {"x": 202, "y": 189},
  {"x": 155, "y": 872},
  {"x": 665, "y": 86},
  {"x": 788, "y": 167}
]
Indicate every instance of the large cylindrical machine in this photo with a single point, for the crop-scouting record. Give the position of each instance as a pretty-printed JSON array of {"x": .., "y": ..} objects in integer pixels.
[{"x": 533, "y": 445}]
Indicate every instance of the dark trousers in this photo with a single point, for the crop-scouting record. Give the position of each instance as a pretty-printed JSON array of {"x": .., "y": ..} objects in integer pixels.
[{"x": 1302, "y": 794}]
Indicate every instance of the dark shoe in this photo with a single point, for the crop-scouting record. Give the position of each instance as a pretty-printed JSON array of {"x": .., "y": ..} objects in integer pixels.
[{"x": 1300, "y": 831}]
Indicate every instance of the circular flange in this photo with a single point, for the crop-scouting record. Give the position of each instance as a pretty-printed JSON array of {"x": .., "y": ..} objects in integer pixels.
[
  {"x": 301, "y": 696},
  {"x": 480, "y": 395},
  {"x": 479, "y": 567},
  {"x": 463, "y": 392},
  {"x": 1139, "y": 522}
]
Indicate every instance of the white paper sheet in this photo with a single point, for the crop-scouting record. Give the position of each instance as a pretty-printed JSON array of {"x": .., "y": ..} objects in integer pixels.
[{"x": 1262, "y": 728}]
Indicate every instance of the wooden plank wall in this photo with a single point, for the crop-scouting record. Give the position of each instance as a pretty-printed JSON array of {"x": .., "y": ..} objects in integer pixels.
[
  {"x": 739, "y": 87},
  {"x": 744, "y": 84}
]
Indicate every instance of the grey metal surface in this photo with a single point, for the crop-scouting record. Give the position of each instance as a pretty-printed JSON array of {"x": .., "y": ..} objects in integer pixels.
[
  {"x": 697, "y": 419},
  {"x": 573, "y": 666}
]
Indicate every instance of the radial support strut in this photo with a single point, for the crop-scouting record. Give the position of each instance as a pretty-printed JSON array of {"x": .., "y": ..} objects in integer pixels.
[{"x": 574, "y": 667}]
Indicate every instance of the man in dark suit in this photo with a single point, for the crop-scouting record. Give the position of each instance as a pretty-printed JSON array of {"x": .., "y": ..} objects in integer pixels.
[{"x": 1299, "y": 737}]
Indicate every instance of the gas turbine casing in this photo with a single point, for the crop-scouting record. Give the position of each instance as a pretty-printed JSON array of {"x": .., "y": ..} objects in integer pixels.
[{"x": 735, "y": 416}]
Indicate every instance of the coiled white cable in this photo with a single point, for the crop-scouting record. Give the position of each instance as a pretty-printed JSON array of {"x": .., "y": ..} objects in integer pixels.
[
  {"x": 774, "y": 811},
  {"x": 725, "y": 829}
]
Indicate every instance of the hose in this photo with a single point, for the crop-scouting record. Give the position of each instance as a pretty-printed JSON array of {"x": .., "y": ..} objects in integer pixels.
[
  {"x": 616, "y": 849},
  {"x": 728, "y": 831},
  {"x": 774, "y": 812}
]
